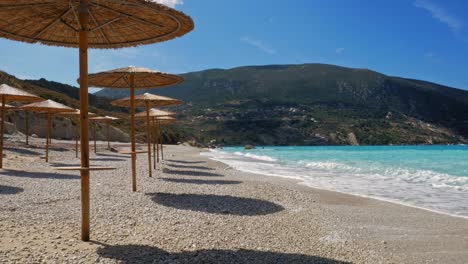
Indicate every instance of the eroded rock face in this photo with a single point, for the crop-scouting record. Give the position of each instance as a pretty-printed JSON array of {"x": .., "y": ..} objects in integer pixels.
[{"x": 62, "y": 128}]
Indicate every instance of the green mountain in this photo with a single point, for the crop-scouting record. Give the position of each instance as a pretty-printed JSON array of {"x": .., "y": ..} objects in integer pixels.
[{"x": 314, "y": 104}]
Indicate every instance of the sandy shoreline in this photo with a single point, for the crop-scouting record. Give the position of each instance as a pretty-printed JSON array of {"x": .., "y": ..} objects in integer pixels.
[{"x": 198, "y": 210}]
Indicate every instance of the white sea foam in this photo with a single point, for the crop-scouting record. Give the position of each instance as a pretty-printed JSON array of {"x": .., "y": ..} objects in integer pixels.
[{"x": 418, "y": 188}]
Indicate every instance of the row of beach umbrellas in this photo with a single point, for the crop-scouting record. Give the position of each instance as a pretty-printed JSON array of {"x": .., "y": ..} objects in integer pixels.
[
  {"x": 101, "y": 24},
  {"x": 41, "y": 106}
]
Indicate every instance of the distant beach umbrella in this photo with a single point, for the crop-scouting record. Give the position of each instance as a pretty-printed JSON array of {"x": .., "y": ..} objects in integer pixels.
[
  {"x": 153, "y": 113},
  {"x": 8, "y": 94},
  {"x": 133, "y": 78},
  {"x": 148, "y": 100},
  {"x": 50, "y": 107},
  {"x": 95, "y": 24},
  {"x": 76, "y": 115},
  {"x": 107, "y": 120},
  {"x": 159, "y": 121}
]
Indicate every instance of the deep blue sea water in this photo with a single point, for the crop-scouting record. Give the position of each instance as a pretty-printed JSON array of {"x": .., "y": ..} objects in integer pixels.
[{"x": 430, "y": 177}]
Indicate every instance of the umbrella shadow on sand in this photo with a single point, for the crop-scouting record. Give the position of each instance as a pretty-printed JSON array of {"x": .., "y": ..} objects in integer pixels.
[
  {"x": 148, "y": 254},
  {"x": 38, "y": 175},
  {"x": 23, "y": 151},
  {"x": 186, "y": 162},
  {"x": 189, "y": 167},
  {"x": 107, "y": 159},
  {"x": 197, "y": 181},
  {"x": 10, "y": 190},
  {"x": 192, "y": 173},
  {"x": 112, "y": 155},
  {"x": 216, "y": 204}
]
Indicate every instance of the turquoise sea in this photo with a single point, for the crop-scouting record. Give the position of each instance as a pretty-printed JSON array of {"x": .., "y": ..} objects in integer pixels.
[{"x": 429, "y": 177}]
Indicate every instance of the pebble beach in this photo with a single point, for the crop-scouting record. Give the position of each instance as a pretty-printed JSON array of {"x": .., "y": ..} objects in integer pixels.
[{"x": 196, "y": 210}]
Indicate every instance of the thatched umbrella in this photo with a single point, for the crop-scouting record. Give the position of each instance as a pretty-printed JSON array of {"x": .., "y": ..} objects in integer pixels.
[
  {"x": 158, "y": 122},
  {"x": 50, "y": 107},
  {"x": 148, "y": 100},
  {"x": 107, "y": 120},
  {"x": 76, "y": 115},
  {"x": 133, "y": 78},
  {"x": 154, "y": 113},
  {"x": 8, "y": 93},
  {"x": 95, "y": 24}
]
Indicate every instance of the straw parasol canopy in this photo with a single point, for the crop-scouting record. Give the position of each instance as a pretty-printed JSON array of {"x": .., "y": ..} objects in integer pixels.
[
  {"x": 135, "y": 78},
  {"x": 50, "y": 107},
  {"x": 14, "y": 94},
  {"x": 155, "y": 112},
  {"x": 9, "y": 93},
  {"x": 76, "y": 114},
  {"x": 148, "y": 100},
  {"x": 8, "y": 107},
  {"x": 153, "y": 99},
  {"x": 144, "y": 78},
  {"x": 95, "y": 24},
  {"x": 112, "y": 23}
]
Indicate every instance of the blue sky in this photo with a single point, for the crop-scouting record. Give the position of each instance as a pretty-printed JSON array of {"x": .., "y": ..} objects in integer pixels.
[{"x": 421, "y": 39}]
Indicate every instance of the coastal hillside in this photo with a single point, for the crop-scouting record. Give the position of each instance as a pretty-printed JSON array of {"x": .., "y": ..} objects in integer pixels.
[
  {"x": 314, "y": 104},
  {"x": 65, "y": 94}
]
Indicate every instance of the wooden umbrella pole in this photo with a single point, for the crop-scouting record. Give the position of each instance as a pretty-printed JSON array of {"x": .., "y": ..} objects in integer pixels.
[
  {"x": 26, "y": 117},
  {"x": 3, "y": 129},
  {"x": 48, "y": 136},
  {"x": 83, "y": 14},
  {"x": 108, "y": 135},
  {"x": 132, "y": 130},
  {"x": 94, "y": 136},
  {"x": 157, "y": 141},
  {"x": 76, "y": 137},
  {"x": 154, "y": 144},
  {"x": 148, "y": 135},
  {"x": 161, "y": 140}
]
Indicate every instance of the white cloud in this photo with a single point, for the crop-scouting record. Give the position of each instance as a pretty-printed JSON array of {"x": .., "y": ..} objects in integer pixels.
[
  {"x": 339, "y": 50},
  {"x": 170, "y": 3},
  {"x": 432, "y": 57},
  {"x": 258, "y": 44},
  {"x": 440, "y": 14}
]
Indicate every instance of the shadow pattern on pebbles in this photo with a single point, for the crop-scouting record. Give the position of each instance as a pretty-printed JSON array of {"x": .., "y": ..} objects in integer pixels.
[
  {"x": 147, "y": 254},
  {"x": 23, "y": 151},
  {"x": 192, "y": 173},
  {"x": 196, "y": 181},
  {"x": 111, "y": 155},
  {"x": 186, "y": 161},
  {"x": 189, "y": 167},
  {"x": 217, "y": 204},
  {"x": 8, "y": 190},
  {"x": 38, "y": 175},
  {"x": 107, "y": 159}
]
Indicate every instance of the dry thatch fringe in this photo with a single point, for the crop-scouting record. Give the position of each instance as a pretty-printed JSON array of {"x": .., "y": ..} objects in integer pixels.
[
  {"x": 112, "y": 23},
  {"x": 153, "y": 99},
  {"x": 155, "y": 113},
  {"x": 143, "y": 78},
  {"x": 76, "y": 113},
  {"x": 14, "y": 94},
  {"x": 103, "y": 118},
  {"x": 48, "y": 106}
]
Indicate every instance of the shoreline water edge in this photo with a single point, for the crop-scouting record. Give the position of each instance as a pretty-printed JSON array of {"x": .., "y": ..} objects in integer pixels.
[{"x": 440, "y": 188}]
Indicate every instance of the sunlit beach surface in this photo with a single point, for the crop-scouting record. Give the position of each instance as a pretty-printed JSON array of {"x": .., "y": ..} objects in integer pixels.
[{"x": 197, "y": 210}]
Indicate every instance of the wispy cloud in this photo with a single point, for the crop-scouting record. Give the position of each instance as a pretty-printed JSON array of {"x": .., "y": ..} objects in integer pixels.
[
  {"x": 339, "y": 50},
  {"x": 258, "y": 44},
  {"x": 432, "y": 57},
  {"x": 171, "y": 3},
  {"x": 439, "y": 13}
]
